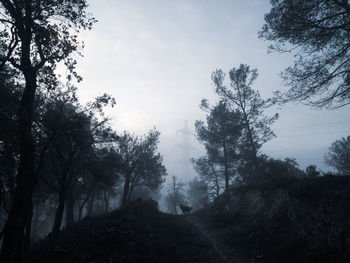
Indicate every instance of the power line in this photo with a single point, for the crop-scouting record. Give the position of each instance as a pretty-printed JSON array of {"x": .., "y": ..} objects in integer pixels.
[{"x": 185, "y": 147}]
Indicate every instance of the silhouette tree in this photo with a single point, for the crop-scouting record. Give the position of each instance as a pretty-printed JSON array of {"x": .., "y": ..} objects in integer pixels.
[
  {"x": 220, "y": 136},
  {"x": 102, "y": 176},
  {"x": 9, "y": 100},
  {"x": 175, "y": 195},
  {"x": 73, "y": 132},
  {"x": 338, "y": 156},
  {"x": 34, "y": 36},
  {"x": 140, "y": 163},
  {"x": 311, "y": 171},
  {"x": 210, "y": 174},
  {"x": 272, "y": 169},
  {"x": 316, "y": 31},
  {"x": 197, "y": 193},
  {"x": 240, "y": 95}
]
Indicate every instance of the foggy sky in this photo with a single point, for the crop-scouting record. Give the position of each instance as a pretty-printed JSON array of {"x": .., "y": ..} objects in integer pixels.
[{"x": 155, "y": 57}]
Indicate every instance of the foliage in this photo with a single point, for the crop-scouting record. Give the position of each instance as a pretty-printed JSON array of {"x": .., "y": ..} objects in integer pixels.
[
  {"x": 241, "y": 96},
  {"x": 141, "y": 164},
  {"x": 209, "y": 174},
  {"x": 34, "y": 36},
  {"x": 273, "y": 169},
  {"x": 175, "y": 195},
  {"x": 69, "y": 137},
  {"x": 311, "y": 171},
  {"x": 316, "y": 32},
  {"x": 50, "y": 28},
  {"x": 339, "y": 156},
  {"x": 9, "y": 100},
  {"x": 197, "y": 193},
  {"x": 220, "y": 136}
]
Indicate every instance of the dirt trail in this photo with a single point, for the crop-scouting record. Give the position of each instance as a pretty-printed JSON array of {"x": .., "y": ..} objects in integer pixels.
[{"x": 218, "y": 240}]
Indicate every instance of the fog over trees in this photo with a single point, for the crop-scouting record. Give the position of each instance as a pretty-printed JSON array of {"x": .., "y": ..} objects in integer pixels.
[{"x": 78, "y": 185}]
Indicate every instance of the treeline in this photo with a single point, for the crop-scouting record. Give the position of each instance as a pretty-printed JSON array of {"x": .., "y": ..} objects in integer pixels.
[
  {"x": 59, "y": 160},
  {"x": 233, "y": 133},
  {"x": 316, "y": 33},
  {"x": 81, "y": 163}
]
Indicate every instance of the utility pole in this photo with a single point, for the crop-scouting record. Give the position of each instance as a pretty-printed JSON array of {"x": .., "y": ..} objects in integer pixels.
[{"x": 185, "y": 146}]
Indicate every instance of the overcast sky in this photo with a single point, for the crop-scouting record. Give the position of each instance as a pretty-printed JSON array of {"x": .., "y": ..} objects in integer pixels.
[{"x": 156, "y": 57}]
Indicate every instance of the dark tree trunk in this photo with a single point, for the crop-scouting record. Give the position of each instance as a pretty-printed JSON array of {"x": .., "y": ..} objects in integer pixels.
[
  {"x": 70, "y": 207},
  {"x": 250, "y": 138},
  {"x": 28, "y": 235},
  {"x": 10, "y": 172},
  {"x": 91, "y": 204},
  {"x": 175, "y": 205},
  {"x": 59, "y": 213},
  {"x": 81, "y": 208},
  {"x": 13, "y": 242},
  {"x": 126, "y": 190},
  {"x": 106, "y": 200},
  {"x": 226, "y": 166},
  {"x": 35, "y": 223}
]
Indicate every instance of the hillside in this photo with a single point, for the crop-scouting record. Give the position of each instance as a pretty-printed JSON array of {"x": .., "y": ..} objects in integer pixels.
[
  {"x": 290, "y": 220},
  {"x": 139, "y": 233}
]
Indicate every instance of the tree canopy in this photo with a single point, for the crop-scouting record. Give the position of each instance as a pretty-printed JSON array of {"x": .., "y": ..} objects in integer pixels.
[
  {"x": 34, "y": 36},
  {"x": 317, "y": 33},
  {"x": 338, "y": 156},
  {"x": 220, "y": 136},
  {"x": 240, "y": 95}
]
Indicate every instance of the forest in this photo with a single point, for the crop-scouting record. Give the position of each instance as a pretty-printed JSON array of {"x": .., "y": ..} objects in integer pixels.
[{"x": 74, "y": 188}]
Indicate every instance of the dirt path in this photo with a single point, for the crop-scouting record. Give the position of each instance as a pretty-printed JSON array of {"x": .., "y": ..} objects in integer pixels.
[{"x": 219, "y": 240}]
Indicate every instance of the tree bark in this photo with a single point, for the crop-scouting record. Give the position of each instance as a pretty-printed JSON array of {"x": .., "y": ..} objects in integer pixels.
[
  {"x": 81, "y": 207},
  {"x": 70, "y": 207},
  {"x": 59, "y": 213},
  {"x": 28, "y": 229},
  {"x": 226, "y": 166},
  {"x": 126, "y": 190},
  {"x": 106, "y": 200},
  {"x": 91, "y": 204},
  {"x": 26, "y": 180},
  {"x": 10, "y": 172}
]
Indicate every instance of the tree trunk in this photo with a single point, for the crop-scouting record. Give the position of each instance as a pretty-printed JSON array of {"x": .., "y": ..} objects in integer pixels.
[
  {"x": 175, "y": 205},
  {"x": 91, "y": 204},
  {"x": 226, "y": 167},
  {"x": 10, "y": 173},
  {"x": 217, "y": 186},
  {"x": 13, "y": 242},
  {"x": 59, "y": 212},
  {"x": 81, "y": 207},
  {"x": 28, "y": 235},
  {"x": 106, "y": 200},
  {"x": 250, "y": 138},
  {"x": 70, "y": 207},
  {"x": 126, "y": 190}
]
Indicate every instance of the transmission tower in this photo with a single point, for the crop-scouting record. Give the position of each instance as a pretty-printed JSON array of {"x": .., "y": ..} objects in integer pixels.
[{"x": 185, "y": 146}]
